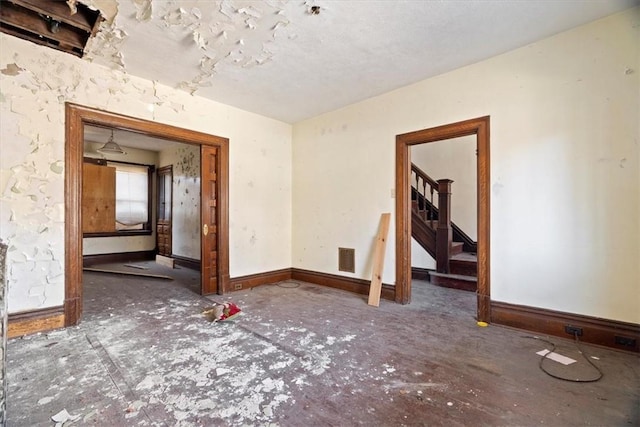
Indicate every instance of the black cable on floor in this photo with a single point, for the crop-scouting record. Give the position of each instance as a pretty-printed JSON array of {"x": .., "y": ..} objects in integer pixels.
[{"x": 577, "y": 380}]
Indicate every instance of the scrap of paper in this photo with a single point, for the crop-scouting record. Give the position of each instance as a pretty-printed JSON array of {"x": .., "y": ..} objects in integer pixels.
[{"x": 556, "y": 357}]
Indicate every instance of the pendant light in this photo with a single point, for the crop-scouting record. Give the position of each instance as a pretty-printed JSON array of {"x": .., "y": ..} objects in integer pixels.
[{"x": 111, "y": 147}]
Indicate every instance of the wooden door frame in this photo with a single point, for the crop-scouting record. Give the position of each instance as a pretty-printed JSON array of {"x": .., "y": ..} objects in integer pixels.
[
  {"x": 77, "y": 116},
  {"x": 480, "y": 128},
  {"x": 161, "y": 171}
]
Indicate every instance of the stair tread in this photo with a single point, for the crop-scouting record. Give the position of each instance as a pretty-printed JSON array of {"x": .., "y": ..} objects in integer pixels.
[
  {"x": 465, "y": 256},
  {"x": 454, "y": 276}
]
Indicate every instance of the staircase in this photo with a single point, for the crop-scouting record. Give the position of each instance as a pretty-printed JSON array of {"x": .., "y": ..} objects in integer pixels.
[{"x": 431, "y": 227}]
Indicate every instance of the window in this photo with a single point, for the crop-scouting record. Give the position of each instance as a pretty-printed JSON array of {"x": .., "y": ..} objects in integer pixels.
[{"x": 132, "y": 196}]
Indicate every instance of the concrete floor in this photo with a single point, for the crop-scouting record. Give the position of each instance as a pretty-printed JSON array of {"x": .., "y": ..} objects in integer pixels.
[{"x": 303, "y": 356}]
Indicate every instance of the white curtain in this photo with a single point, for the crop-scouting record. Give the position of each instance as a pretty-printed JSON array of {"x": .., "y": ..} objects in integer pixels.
[{"x": 132, "y": 198}]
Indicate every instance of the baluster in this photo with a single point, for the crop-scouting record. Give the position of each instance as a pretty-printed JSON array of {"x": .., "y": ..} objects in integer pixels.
[
  {"x": 424, "y": 199},
  {"x": 431, "y": 215},
  {"x": 417, "y": 190}
]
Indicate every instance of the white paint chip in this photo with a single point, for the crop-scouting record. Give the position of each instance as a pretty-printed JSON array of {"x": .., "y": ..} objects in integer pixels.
[
  {"x": 45, "y": 400},
  {"x": 222, "y": 371},
  {"x": 556, "y": 357},
  {"x": 200, "y": 40},
  {"x": 143, "y": 10},
  {"x": 62, "y": 417}
]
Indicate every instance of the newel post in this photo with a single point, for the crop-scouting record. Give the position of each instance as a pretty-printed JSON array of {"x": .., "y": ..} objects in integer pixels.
[{"x": 443, "y": 234}]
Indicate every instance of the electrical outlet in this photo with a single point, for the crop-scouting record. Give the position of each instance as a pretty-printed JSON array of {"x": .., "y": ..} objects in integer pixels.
[
  {"x": 626, "y": 341},
  {"x": 573, "y": 330},
  {"x": 237, "y": 286}
]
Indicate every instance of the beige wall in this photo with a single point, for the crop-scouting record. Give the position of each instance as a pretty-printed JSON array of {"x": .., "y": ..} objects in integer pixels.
[
  {"x": 565, "y": 179},
  {"x": 33, "y": 93}
]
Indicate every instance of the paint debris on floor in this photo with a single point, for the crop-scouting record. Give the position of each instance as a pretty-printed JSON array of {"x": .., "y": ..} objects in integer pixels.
[{"x": 145, "y": 355}]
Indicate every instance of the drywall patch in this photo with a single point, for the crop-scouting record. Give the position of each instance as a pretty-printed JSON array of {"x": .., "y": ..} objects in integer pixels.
[{"x": 11, "y": 70}]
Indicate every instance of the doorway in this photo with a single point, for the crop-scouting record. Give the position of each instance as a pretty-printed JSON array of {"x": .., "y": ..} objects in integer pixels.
[
  {"x": 164, "y": 209},
  {"x": 480, "y": 128},
  {"x": 214, "y": 254}
]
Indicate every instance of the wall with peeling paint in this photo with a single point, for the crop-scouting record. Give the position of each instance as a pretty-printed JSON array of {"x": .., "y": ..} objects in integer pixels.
[
  {"x": 565, "y": 173},
  {"x": 33, "y": 93},
  {"x": 185, "y": 220}
]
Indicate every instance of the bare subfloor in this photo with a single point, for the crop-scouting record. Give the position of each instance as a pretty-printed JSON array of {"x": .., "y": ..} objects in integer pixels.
[{"x": 303, "y": 356}]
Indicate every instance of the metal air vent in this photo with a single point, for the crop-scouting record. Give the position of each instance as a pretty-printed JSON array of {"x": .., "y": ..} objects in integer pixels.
[
  {"x": 346, "y": 260},
  {"x": 50, "y": 23}
]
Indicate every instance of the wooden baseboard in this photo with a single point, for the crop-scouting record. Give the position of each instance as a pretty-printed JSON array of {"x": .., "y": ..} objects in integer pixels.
[
  {"x": 608, "y": 333},
  {"x": 253, "y": 280},
  {"x": 190, "y": 263},
  {"x": 358, "y": 286},
  {"x": 30, "y": 322},
  {"x": 419, "y": 273},
  {"x": 88, "y": 260}
]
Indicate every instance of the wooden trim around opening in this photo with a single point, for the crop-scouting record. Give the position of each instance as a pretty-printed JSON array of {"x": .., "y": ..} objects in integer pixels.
[
  {"x": 258, "y": 279},
  {"x": 594, "y": 330},
  {"x": 77, "y": 117},
  {"x": 351, "y": 284},
  {"x": 32, "y": 321},
  {"x": 480, "y": 128}
]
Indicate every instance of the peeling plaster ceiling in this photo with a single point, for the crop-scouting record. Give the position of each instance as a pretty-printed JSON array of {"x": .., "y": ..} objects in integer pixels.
[{"x": 278, "y": 59}]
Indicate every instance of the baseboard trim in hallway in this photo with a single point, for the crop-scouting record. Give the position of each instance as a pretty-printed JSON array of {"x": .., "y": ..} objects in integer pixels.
[{"x": 351, "y": 284}]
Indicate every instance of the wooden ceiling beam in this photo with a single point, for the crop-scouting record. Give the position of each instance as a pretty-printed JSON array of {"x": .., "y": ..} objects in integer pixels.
[{"x": 60, "y": 11}]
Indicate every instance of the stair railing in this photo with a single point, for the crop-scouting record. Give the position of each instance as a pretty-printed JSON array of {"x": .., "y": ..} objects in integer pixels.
[
  {"x": 444, "y": 233},
  {"x": 423, "y": 180}
]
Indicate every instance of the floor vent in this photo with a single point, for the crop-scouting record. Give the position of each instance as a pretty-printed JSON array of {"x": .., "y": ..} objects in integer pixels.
[{"x": 346, "y": 260}]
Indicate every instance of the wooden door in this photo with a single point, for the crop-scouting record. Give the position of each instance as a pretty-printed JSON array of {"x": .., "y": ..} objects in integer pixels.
[
  {"x": 165, "y": 199},
  {"x": 98, "y": 199},
  {"x": 209, "y": 166}
]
